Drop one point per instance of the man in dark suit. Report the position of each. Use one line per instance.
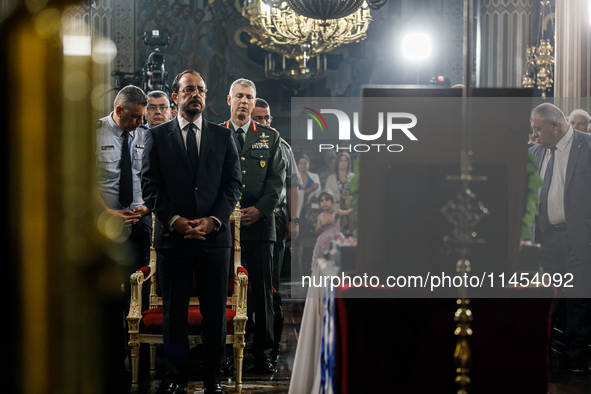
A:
(263, 177)
(191, 181)
(563, 225)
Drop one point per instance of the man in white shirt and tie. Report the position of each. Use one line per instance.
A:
(563, 224)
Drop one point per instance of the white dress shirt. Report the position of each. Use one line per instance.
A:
(556, 191)
(184, 125)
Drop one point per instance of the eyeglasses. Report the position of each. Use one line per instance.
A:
(259, 119)
(191, 89)
(161, 107)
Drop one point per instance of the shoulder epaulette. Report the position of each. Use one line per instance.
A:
(267, 127)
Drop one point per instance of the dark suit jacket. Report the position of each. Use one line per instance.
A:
(577, 193)
(263, 177)
(169, 186)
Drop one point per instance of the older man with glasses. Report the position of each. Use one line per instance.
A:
(158, 108)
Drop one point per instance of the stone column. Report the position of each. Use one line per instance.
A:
(573, 49)
(504, 30)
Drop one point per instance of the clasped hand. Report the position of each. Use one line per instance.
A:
(194, 229)
(131, 216)
(249, 215)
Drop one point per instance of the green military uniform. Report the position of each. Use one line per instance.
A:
(292, 179)
(263, 177)
(282, 219)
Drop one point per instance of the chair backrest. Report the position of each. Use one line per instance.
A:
(235, 266)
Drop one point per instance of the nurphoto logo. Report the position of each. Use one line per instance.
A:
(391, 122)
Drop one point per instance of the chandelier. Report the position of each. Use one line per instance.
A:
(539, 62)
(331, 9)
(292, 74)
(278, 28)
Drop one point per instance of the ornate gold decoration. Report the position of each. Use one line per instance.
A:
(279, 29)
(464, 213)
(539, 62)
(330, 9)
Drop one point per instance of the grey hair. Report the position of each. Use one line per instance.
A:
(243, 82)
(131, 95)
(549, 111)
(157, 94)
(580, 112)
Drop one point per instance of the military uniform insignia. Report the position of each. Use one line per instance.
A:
(260, 145)
(263, 163)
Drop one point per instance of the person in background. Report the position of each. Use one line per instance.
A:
(287, 219)
(339, 184)
(328, 225)
(579, 120)
(158, 108)
(309, 190)
(329, 158)
(563, 156)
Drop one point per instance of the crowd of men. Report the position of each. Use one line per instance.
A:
(191, 174)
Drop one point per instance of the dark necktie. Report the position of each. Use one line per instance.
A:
(240, 133)
(543, 220)
(125, 180)
(192, 147)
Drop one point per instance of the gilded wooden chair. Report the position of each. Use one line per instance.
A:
(146, 326)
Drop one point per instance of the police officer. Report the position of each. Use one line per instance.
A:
(119, 150)
(263, 177)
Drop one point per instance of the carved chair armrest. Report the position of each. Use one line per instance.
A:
(136, 280)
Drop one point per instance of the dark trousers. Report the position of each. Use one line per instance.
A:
(175, 271)
(257, 258)
(279, 247)
(571, 306)
(140, 239)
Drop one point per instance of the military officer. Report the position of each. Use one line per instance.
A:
(287, 218)
(263, 177)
